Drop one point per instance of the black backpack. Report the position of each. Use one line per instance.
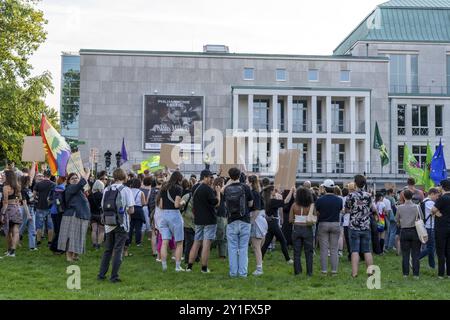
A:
(235, 200)
(113, 215)
(422, 207)
(57, 198)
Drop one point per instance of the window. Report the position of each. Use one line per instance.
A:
(319, 158)
(401, 119)
(320, 124)
(438, 120)
(420, 153)
(281, 74)
(345, 75)
(448, 74)
(339, 157)
(337, 117)
(419, 120)
(399, 80)
(281, 117)
(299, 116)
(261, 114)
(414, 74)
(302, 162)
(313, 75)
(249, 74)
(401, 150)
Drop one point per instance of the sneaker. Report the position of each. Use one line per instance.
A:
(101, 278)
(115, 280)
(340, 253)
(180, 269)
(188, 270)
(13, 255)
(164, 269)
(173, 258)
(258, 272)
(290, 261)
(416, 277)
(158, 260)
(34, 249)
(206, 271)
(139, 245)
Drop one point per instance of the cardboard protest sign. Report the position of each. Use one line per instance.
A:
(233, 155)
(287, 169)
(170, 156)
(136, 167)
(33, 149)
(75, 164)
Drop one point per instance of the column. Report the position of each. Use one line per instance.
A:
(313, 148)
(432, 120)
(251, 132)
(352, 115)
(289, 117)
(274, 112)
(235, 124)
(368, 133)
(314, 114)
(250, 111)
(408, 120)
(328, 157)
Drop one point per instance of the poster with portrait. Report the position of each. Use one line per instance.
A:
(173, 120)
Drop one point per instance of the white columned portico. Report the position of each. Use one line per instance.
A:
(328, 143)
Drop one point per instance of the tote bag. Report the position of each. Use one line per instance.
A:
(420, 227)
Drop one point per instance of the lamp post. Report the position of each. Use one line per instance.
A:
(108, 155)
(118, 158)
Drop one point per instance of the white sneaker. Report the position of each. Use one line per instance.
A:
(34, 249)
(13, 255)
(188, 270)
(158, 260)
(173, 258)
(207, 271)
(290, 261)
(180, 269)
(258, 272)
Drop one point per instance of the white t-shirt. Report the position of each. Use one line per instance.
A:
(137, 197)
(429, 204)
(387, 205)
(380, 206)
(127, 201)
(346, 218)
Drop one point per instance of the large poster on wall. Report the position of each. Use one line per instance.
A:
(173, 120)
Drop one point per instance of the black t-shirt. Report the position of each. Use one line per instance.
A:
(27, 195)
(95, 203)
(174, 192)
(204, 203)
(257, 201)
(272, 209)
(329, 207)
(42, 189)
(221, 210)
(443, 205)
(248, 198)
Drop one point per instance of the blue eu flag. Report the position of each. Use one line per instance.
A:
(438, 170)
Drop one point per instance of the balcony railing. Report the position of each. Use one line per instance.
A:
(426, 90)
(401, 131)
(439, 131)
(340, 127)
(360, 126)
(420, 131)
(301, 127)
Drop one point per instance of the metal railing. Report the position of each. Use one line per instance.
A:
(401, 131)
(360, 126)
(439, 131)
(420, 131)
(301, 127)
(340, 127)
(427, 90)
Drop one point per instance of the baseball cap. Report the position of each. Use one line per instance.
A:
(206, 173)
(328, 183)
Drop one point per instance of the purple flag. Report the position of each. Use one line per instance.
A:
(123, 152)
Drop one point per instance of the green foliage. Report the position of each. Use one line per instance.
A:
(21, 95)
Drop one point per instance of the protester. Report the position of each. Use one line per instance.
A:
(392, 229)
(381, 218)
(205, 201)
(171, 220)
(95, 203)
(10, 214)
(221, 215)
(153, 208)
(407, 214)
(302, 233)
(28, 213)
(146, 189)
(137, 219)
(188, 223)
(426, 206)
(57, 211)
(441, 210)
(258, 223)
(271, 207)
(286, 226)
(359, 205)
(75, 221)
(329, 207)
(41, 191)
(338, 192)
(238, 200)
(418, 195)
(346, 218)
(118, 199)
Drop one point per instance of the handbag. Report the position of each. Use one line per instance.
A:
(311, 218)
(420, 228)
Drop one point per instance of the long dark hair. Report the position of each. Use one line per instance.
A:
(266, 195)
(175, 179)
(11, 180)
(303, 197)
(254, 181)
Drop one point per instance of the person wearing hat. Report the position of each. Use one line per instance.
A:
(329, 207)
(205, 200)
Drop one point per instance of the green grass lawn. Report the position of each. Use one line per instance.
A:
(41, 275)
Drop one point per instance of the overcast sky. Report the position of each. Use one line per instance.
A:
(250, 26)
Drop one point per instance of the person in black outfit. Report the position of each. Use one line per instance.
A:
(271, 206)
(95, 203)
(286, 225)
(441, 210)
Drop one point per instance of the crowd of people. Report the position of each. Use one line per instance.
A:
(184, 219)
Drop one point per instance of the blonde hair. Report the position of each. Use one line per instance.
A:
(98, 186)
(351, 187)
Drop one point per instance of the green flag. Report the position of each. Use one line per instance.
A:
(379, 145)
(410, 166)
(427, 181)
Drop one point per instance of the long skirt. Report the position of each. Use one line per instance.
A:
(72, 234)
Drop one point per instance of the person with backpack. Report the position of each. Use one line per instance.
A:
(95, 203)
(426, 206)
(57, 210)
(41, 191)
(188, 222)
(76, 217)
(392, 230)
(205, 201)
(117, 204)
(381, 219)
(137, 219)
(152, 207)
(238, 200)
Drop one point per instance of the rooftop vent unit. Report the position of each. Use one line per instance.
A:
(216, 48)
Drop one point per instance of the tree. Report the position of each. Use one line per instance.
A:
(21, 95)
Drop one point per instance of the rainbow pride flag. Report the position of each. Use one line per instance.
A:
(58, 151)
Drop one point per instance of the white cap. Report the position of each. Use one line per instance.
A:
(328, 183)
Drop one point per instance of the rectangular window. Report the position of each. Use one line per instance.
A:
(401, 120)
(414, 74)
(400, 159)
(302, 162)
(345, 75)
(420, 153)
(299, 116)
(419, 120)
(397, 73)
(339, 158)
(281, 75)
(281, 117)
(249, 74)
(320, 122)
(338, 124)
(261, 114)
(313, 75)
(319, 158)
(438, 120)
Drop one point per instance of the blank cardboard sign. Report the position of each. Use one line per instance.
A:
(170, 156)
(286, 175)
(33, 149)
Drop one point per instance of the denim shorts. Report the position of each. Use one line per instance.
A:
(360, 241)
(207, 232)
(41, 215)
(171, 225)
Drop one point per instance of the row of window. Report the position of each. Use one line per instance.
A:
(419, 120)
(281, 75)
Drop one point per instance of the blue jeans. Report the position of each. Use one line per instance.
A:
(392, 231)
(238, 237)
(30, 225)
(42, 217)
(430, 249)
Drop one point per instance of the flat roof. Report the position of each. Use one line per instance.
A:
(229, 55)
